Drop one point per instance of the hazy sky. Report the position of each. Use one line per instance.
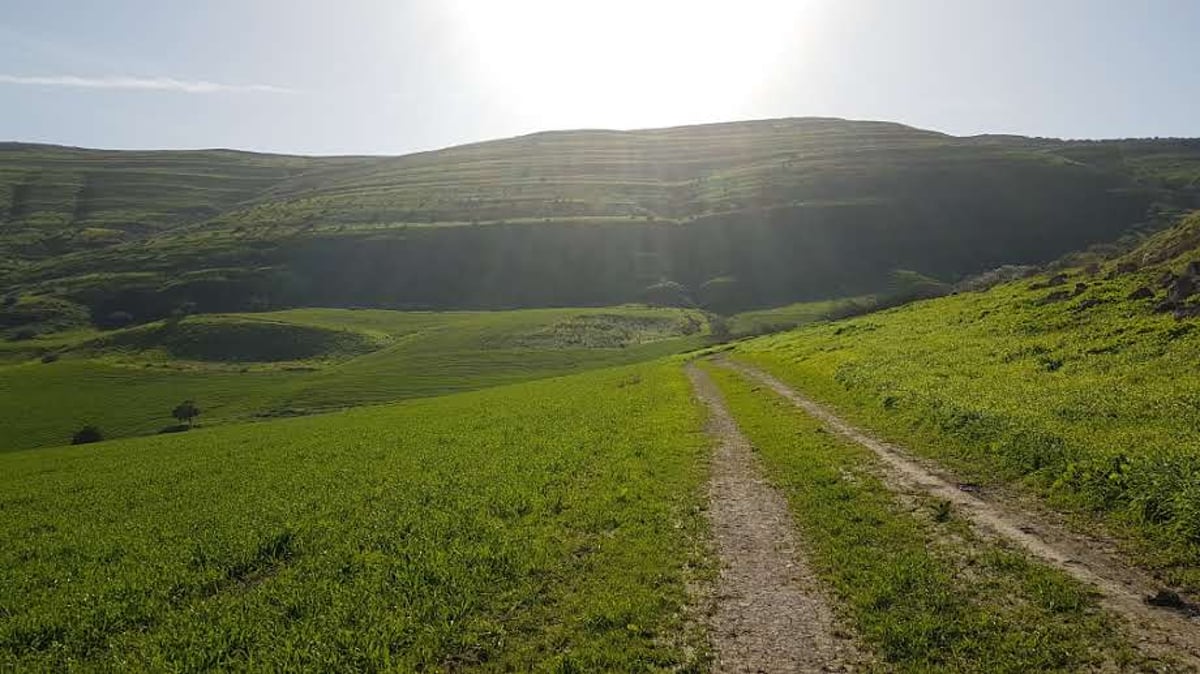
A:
(382, 77)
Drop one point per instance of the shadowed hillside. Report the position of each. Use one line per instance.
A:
(790, 209)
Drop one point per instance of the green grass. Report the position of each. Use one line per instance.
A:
(546, 526)
(922, 590)
(1091, 405)
(131, 392)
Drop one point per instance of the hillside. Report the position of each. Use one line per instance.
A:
(1077, 385)
(792, 209)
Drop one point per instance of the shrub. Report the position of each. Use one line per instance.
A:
(185, 412)
(87, 435)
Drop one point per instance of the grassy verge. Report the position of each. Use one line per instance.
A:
(923, 591)
(1089, 402)
(541, 526)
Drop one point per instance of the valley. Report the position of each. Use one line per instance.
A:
(789, 394)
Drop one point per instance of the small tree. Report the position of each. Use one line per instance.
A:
(185, 412)
(87, 435)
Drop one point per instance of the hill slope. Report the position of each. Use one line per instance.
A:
(1080, 386)
(792, 208)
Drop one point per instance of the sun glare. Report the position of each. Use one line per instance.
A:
(625, 63)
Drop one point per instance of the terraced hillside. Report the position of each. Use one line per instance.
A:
(790, 209)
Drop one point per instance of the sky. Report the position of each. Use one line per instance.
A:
(396, 76)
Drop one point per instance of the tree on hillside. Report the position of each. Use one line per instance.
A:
(87, 435)
(185, 412)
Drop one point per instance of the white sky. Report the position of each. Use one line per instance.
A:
(385, 77)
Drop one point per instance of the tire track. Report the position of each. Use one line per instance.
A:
(769, 614)
(1124, 590)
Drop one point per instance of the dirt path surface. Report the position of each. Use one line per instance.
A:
(770, 614)
(1159, 630)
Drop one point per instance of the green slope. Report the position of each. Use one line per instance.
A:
(127, 382)
(1083, 392)
(550, 526)
(792, 208)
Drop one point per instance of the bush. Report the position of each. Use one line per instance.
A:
(50, 357)
(185, 412)
(23, 334)
(87, 435)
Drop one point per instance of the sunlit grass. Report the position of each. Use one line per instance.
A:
(1093, 406)
(546, 525)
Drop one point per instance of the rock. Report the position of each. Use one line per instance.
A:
(1167, 278)
(1056, 280)
(1193, 269)
(1181, 289)
(1165, 306)
(1080, 288)
(1126, 267)
(1056, 296)
(1087, 304)
(1190, 311)
(1092, 269)
(1142, 293)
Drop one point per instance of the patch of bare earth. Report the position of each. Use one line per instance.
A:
(1158, 628)
(769, 613)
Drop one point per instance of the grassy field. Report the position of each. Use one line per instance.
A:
(128, 381)
(1086, 397)
(924, 592)
(547, 525)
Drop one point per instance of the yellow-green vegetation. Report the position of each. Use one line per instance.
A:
(924, 592)
(547, 525)
(125, 382)
(1069, 387)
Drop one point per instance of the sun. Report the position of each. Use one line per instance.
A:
(626, 63)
